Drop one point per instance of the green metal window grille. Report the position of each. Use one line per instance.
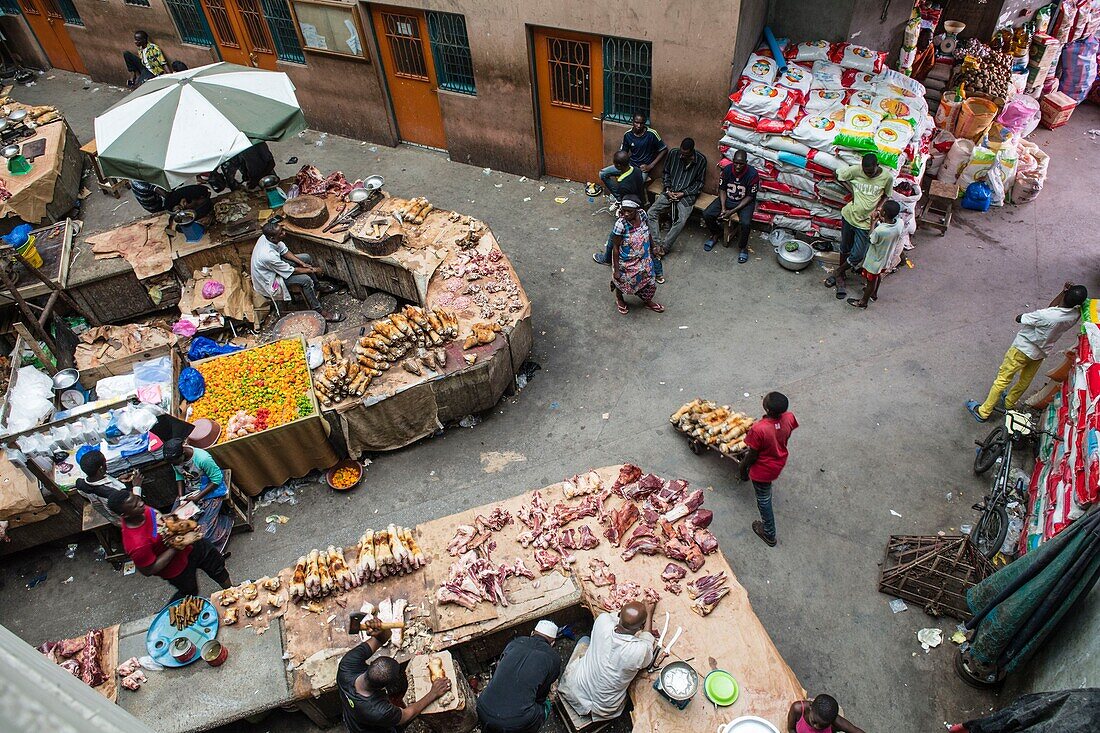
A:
(9, 7)
(139, 3)
(281, 23)
(69, 13)
(190, 22)
(627, 78)
(454, 67)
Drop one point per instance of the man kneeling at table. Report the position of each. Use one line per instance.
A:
(368, 689)
(515, 700)
(595, 685)
(152, 556)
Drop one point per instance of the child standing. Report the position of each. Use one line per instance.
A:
(883, 238)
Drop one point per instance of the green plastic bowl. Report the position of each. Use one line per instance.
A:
(721, 688)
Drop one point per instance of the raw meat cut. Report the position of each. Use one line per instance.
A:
(706, 582)
(90, 671)
(71, 647)
(546, 559)
(700, 519)
(566, 513)
(581, 485)
(673, 587)
(626, 593)
(472, 579)
(706, 541)
(673, 571)
(622, 519)
(580, 538)
(518, 570)
(628, 474)
(495, 521)
(644, 541)
(687, 552)
(705, 603)
(600, 577)
(685, 507)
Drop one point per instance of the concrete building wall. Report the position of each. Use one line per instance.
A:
(108, 30)
(810, 20)
(21, 42)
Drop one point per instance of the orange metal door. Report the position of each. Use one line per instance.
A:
(48, 24)
(410, 74)
(569, 71)
(241, 32)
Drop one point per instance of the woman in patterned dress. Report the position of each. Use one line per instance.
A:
(631, 258)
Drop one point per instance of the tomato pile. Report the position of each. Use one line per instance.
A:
(270, 383)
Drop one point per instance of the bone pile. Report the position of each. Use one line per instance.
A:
(490, 287)
(707, 591)
(416, 333)
(388, 610)
(387, 552)
(414, 210)
(628, 592)
(716, 426)
(340, 377)
(320, 573)
(473, 579)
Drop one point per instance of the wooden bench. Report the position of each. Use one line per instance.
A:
(242, 505)
(702, 201)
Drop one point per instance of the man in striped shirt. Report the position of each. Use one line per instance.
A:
(685, 170)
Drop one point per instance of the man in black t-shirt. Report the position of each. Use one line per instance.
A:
(515, 701)
(647, 149)
(737, 189)
(367, 690)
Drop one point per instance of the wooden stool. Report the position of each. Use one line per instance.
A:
(109, 186)
(105, 533)
(939, 207)
(575, 723)
(242, 505)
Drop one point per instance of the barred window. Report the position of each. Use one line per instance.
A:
(9, 7)
(627, 78)
(454, 67)
(281, 23)
(190, 22)
(139, 3)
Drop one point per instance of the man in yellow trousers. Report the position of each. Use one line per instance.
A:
(1041, 328)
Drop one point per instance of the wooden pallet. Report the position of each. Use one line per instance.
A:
(933, 571)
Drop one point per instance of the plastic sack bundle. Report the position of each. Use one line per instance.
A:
(864, 98)
(823, 101)
(1078, 68)
(810, 51)
(761, 68)
(890, 139)
(953, 162)
(860, 58)
(1031, 173)
(941, 143)
(764, 100)
(827, 75)
(981, 160)
(908, 203)
(816, 131)
(977, 196)
(191, 384)
(1018, 112)
(203, 348)
(740, 118)
(1001, 176)
(858, 130)
(796, 78)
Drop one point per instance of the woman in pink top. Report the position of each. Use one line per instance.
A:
(822, 715)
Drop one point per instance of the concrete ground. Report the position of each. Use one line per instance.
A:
(885, 446)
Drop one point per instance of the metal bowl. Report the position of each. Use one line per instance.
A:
(674, 690)
(373, 183)
(10, 151)
(17, 115)
(65, 378)
(270, 181)
(800, 259)
(359, 195)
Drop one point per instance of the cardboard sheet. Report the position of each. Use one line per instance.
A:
(105, 344)
(238, 301)
(18, 493)
(145, 244)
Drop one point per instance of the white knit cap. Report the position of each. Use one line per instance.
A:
(547, 628)
(629, 204)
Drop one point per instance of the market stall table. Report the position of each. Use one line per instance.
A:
(50, 188)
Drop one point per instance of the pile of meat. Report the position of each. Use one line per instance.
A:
(707, 590)
(666, 519)
(132, 675)
(474, 578)
(310, 181)
(547, 533)
(470, 537)
(80, 656)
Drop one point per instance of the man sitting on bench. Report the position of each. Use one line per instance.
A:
(595, 685)
(737, 188)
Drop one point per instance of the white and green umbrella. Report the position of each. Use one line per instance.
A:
(176, 126)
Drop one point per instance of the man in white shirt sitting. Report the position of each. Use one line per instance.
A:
(275, 269)
(595, 685)
(1032, 344)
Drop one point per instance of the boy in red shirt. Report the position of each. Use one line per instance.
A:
(152, 556)
(765, 458)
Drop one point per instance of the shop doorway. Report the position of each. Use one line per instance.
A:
(406, 56)
(241, 32)
(569, 74)
(48, 23)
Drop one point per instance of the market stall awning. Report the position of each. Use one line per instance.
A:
(179, 125)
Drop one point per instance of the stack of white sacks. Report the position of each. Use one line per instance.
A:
(834, 103)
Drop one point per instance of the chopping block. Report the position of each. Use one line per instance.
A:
(453, 713)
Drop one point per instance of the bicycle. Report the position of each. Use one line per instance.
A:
(992, 527)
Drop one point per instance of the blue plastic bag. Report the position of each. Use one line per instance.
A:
(18, 236)
(203, 348)
(191, 384)
(978, 196)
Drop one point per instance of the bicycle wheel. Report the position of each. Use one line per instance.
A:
(989, 533)
(990, 449)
